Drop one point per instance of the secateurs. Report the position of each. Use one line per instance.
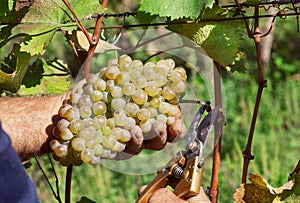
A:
(184, 171)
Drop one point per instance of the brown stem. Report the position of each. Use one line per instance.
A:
(297, 168)
(261, 84)
(68, 184)
(95, 38)
(213, 191)
(79, 24)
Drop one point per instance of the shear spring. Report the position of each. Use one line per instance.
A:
(177, 171)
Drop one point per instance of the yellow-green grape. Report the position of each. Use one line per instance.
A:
(106, 130)
(99, 85)
(62, 124)
(140, 97)
(163, 107)
(61, 151)
(170, 63)
(170, 120)
(86, 155)
(109, 85)
(134, 73)
(125, 136)
(148, 70)
(153, 112)
(95, 160)
(137, 64)
(160, 79)
(111, 123)
(112, 72)
(162, 117)
(63, 109)
(108, 141)
(66, 134)
(106, 153)
(168, 93)
(118, 103)
(155, 101)
(182, 72)
(118, 147)
(85, 100)
(152, 89)
(72, 114)
(179, 87)
(143, 114)
(85, 134)
(123, 78)
(96, 96)
(91, 78)
(99, 108)
(78, 144)
(116, 132)
(131, 109)
(74, 97)
(98, 136)
(128, 89)
(172, 111)
(85, 111)
(91, 143)
(120, 118)
(145, 126)
(130, 123)
(76, 125)
(112, 62)
(88, 122)
(125, 63)
(139, 81)
(106, 97)
(175, 76)
(54, 144)
(116, 92)
(88, 89)
(162, 68)
(98, 149)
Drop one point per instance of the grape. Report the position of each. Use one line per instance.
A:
(124, 100)
(140, 97)
(78, 144)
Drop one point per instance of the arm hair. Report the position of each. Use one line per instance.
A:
(29, 122)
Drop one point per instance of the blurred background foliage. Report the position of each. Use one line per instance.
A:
(277, 134)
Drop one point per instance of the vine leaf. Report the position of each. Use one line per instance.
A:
(34, 73)
(259, 191)
(220, 40)
(85, 200)
(13, 69)
(39, 25)
(84, 8)
(175, 9)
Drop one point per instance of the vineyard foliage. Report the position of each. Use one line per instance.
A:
(35, 41)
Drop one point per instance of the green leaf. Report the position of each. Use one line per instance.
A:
(83, 8)
(175, 9)
(40, 24)
(220, 40)
(85, 200)
(13, 69)
(34, 73)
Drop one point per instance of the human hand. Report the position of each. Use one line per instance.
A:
(164, 195)
(159, 136)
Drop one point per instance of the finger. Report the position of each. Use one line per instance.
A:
(134, 146)
(142, 189)
(176, 131)
(166, 196)
(159, 132)
(200, 198)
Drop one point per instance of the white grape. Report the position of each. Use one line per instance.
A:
(123, 78)
(116, 92)
(118, 103)
(91, 78)
(160, 79)
(99, 108)
(112, 62)
(131, 109)
(62, 124)
(72, 114)
(66, 134)
(139, 81)
(145, 126)
(143, 114)
(149, 71)
(100, 85)
(86, 155)
(163, 107)
(128, 89)
(96, 96)
(152, 89)
(182, 72)
(111, 122)
(140, 97)
(85, 111)
(130, 123)
(125, 63)
(78, 144)
(179, 87)
(168, 93)
(61, 151)
(76, 125)
(85, 100)
(112, 72)
(118, 147)
(98, 149)
(75, 98)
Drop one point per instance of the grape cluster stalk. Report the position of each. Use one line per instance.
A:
(123, 98)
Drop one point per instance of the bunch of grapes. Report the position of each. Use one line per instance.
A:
(125, 97)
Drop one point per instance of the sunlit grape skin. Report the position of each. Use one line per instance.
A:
(123, 98)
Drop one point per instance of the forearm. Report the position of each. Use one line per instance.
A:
(29, 122)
